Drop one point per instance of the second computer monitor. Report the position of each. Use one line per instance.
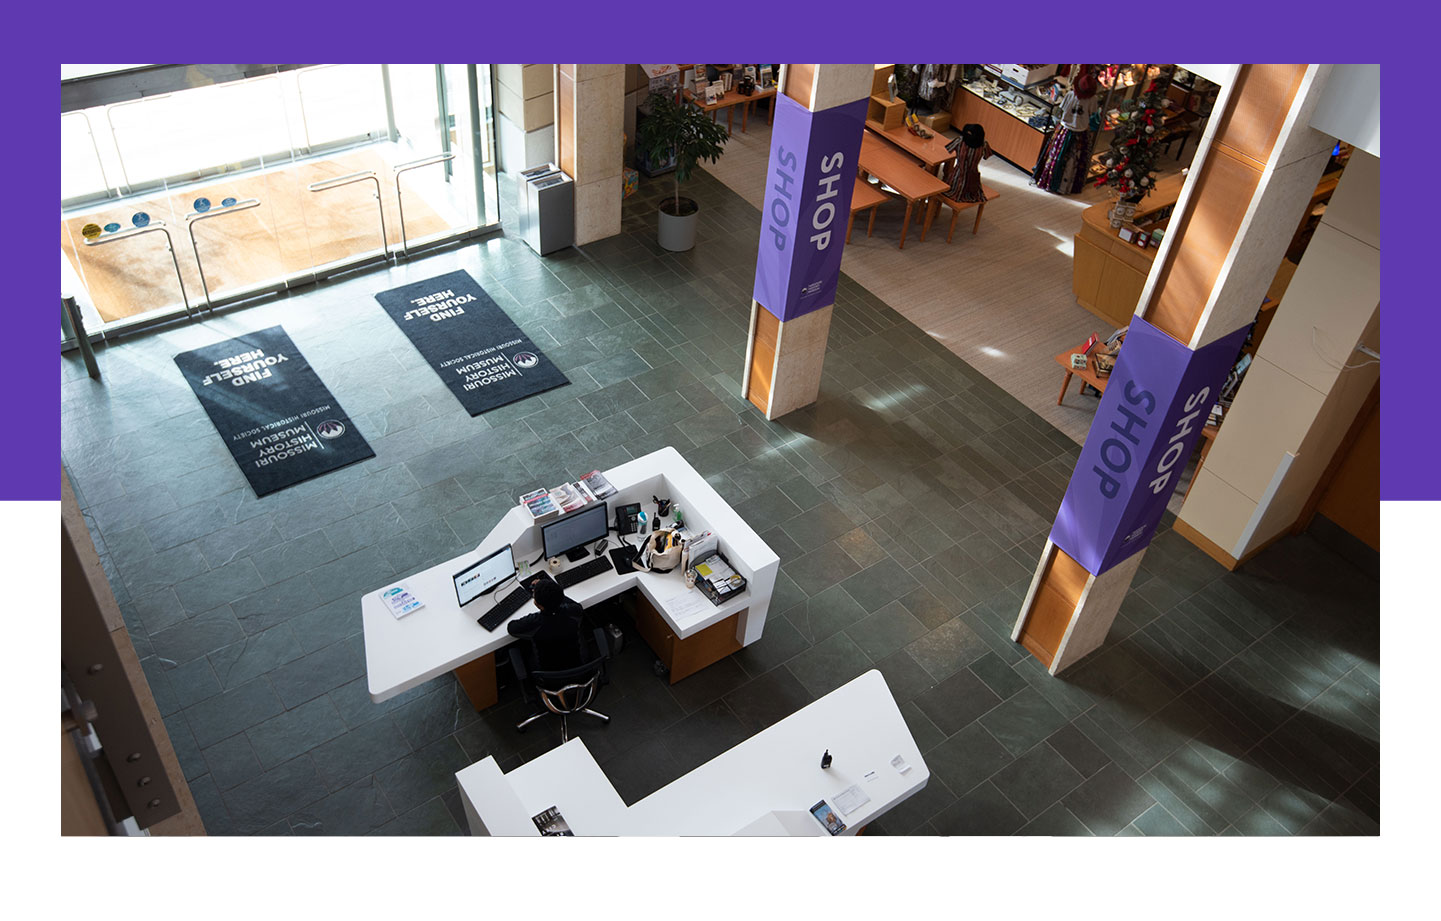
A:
(573, 532)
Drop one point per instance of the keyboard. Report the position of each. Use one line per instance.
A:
(588, 570)
(504, 608)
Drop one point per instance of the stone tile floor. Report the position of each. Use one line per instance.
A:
(908, 506)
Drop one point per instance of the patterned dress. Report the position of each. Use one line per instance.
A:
(1063, 162)
(966, 173)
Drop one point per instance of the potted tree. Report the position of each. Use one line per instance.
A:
(673, 128)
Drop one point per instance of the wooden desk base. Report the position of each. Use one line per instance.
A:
(688, 656)
(478, 680)
(683, 657)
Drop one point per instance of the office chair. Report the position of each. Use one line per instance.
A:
(566, 692)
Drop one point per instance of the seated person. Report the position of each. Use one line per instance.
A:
(970, 149)
(556, 632)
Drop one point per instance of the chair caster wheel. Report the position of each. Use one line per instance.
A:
(660, 668)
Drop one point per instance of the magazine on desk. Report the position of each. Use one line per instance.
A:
(598, 485)
(544, 504)
(552, 824)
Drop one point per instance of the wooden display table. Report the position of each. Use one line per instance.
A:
(931, 151)
(901, 173)
(729, 101)
(865, 196)
(1087, 374)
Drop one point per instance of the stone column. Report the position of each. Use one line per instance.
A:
(589, 102)
(815, 140)
(525, 115)
(1304, 388)
(1252, 179)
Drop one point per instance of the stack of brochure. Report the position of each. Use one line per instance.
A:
(544, 504)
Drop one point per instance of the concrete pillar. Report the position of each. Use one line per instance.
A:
(815, 140)
(525, 115)
(1252, 179)
(590, 99)
(1304, 388)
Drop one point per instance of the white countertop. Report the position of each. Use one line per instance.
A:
(763, 786)
(401, 654)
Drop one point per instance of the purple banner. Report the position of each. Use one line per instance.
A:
(809, 182)
(1157, 401)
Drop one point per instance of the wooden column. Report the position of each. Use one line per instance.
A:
(1252, 178)
(784, 358)
(590, 102)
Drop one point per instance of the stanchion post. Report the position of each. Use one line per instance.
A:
(70, 315)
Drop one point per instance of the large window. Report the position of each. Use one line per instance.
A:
(264, 182)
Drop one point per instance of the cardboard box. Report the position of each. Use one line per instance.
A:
(937, 122)
(1023, 74)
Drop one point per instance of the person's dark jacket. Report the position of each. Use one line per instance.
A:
(556, 638)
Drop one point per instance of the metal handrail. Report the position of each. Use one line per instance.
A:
(350, 178)
(399, 201)
(195, 217)
(169, 248)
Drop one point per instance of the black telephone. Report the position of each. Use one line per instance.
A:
(627, 518)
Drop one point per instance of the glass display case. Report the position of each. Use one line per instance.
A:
(1017, 118)
(1034, 104)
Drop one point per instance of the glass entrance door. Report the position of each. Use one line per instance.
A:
(211, 194)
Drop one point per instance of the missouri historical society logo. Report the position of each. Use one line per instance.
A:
(330, 428)
(525, 360)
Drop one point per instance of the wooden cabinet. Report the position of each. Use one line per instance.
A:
(1090, 259)
(687, 656)
(1120, 289)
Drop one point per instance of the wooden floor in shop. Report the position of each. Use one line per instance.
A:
(291, 231)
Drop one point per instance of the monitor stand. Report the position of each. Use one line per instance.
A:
(577, 553)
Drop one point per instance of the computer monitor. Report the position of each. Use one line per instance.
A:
(479, 578)
(569, 535)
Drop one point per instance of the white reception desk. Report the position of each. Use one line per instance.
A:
(763, 786)
(441, 637)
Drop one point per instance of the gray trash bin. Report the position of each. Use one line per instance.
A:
(547, 209)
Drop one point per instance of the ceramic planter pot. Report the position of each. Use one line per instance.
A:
(677, 231)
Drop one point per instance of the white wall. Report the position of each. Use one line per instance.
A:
(1350, 107)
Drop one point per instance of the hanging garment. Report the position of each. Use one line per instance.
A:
(928, 76)
(1064, 161)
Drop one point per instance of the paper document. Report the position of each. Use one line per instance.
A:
(850, 799)
(400, 601)
(688, 603)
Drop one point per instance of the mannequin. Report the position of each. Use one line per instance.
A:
(971, 148)
(1063, 163)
